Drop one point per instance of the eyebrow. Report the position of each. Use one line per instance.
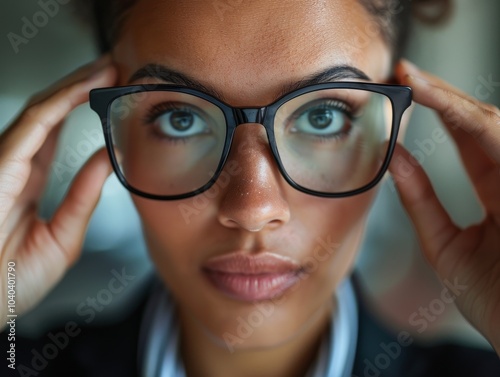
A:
(334, 73)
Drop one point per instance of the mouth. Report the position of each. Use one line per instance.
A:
(251, 278)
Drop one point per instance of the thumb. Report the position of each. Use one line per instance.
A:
(433, 224)
(69, 223)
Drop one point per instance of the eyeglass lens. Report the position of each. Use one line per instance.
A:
(330, 140)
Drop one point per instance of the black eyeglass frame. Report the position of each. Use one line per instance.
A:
(101, 100)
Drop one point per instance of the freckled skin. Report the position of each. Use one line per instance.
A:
(256, 48)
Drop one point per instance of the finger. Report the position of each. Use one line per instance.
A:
(47, 249)
(432, 223)
(16, 176)
(406, 68)
(458, 112)
(481, 168)
(75, 76)
(69, 224)
(25, 137)
(45, 155)
(37, 179)
(39, 173)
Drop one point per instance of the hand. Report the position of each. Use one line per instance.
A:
(469, 256)
(43, 251)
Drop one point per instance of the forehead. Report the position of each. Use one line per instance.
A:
(246, 49)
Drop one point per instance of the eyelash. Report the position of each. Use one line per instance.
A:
(331, 103)
(156, 111)
(161, 108)
(336, 104)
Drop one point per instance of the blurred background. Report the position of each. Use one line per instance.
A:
(463, 50)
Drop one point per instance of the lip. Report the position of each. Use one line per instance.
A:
(255, 277)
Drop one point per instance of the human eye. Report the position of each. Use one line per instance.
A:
(177, 121)
(323, 118)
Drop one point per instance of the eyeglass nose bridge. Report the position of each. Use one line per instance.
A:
(249, 115)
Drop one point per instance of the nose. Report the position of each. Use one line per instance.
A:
(254, 198)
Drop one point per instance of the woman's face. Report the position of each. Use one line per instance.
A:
(247, 51)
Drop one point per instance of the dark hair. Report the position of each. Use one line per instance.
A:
(393, 18)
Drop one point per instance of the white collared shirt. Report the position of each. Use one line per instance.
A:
(159, 338)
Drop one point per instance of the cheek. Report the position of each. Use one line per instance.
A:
(184, 232)
(335, 217)
(322, 234)
(168, 236)
(327, 236)
(329, 232)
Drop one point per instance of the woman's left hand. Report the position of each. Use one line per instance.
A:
(466, 258)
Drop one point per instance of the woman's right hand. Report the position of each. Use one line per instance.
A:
(44, 250)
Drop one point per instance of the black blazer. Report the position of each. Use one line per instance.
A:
(112, 351)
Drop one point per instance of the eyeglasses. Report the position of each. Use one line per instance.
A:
(329, 140)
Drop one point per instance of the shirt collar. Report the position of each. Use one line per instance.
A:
(159, 337)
